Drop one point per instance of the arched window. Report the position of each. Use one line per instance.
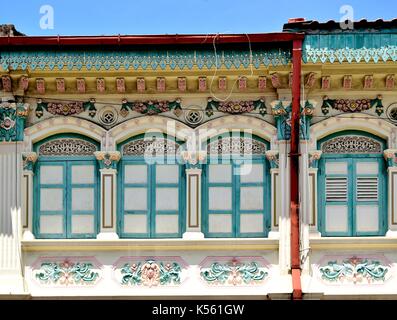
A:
(152, 188)
(352, 185)
(236, 189)
(66, 187)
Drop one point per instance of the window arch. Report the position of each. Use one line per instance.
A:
(236, 187)
(66, 187)
(352, 185)
(152, 187)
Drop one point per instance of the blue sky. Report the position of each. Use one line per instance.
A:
(88, 17)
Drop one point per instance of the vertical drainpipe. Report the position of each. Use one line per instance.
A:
(294, 170)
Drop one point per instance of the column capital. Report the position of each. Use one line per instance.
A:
(193, 158)
(314, 156)
(391, 157)
(273, 157)
(108, 159)
(29, 160)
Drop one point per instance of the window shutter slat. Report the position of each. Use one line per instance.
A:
(336, 189)
(367, 189)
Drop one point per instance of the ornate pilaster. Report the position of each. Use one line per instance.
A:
(391, 159)
(193, 193)
(12, 120)
(108, 167)
(28, 162)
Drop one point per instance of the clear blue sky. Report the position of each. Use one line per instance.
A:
(88, 17)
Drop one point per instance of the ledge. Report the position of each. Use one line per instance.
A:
(348, 243)
(148, 244)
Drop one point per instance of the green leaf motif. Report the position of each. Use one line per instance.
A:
(67, 273)
(233, 273)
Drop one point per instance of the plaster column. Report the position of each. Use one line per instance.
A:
(193, 194)
(108, 207)
(29, 160)
(391, 158)
(273, 157)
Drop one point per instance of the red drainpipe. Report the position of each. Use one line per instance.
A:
(294, 170)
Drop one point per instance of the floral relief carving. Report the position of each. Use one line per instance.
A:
(65, 109)
(151, 107)
(351, 144)
(349, 105)
(235, 107)
(354, 270)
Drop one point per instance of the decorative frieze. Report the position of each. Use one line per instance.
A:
(350, 105)
(151, 273)
(234, 272)
(6, 83)
(235, 107)
(107, 159)
(65, 109)
(120, 85)
(354, 270)
(351, 144)
(151, 107)
(40, 86)
(12, 120)
(67, 273)
(67, 147)
(60, 84)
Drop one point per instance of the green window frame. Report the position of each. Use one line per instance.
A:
(351, 196)
(236, 185)
(151, 187)
(67, 186)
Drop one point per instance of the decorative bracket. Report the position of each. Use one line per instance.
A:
(349, 105)
(107, 159)
(391, 157)
(66, 109)
(235, 107)
(151, 107)
(273, 157)
(29, 160)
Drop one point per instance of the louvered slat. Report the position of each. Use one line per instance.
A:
(367, 189)
(336, 188)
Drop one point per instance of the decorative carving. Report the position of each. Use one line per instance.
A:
(222, 83)
(202, 83)
(60, 83)
(233, 273)
(282, 115)
(351, 144)
(120, 85)
(140, 85)
(273, 157)
(67, 147)
(390, 157)
(24, 83)
(150, 147)
(40, 86)
(67, 273)
(151, 107)
(100, 85)
(182, 84)
(326, 83)
(307, 112)
(390, 81)
(262, 83)
(236, 145)
(368, 82)
(310, 80)
(314, 157)
(354, 270)
(12, 121)
(242, 83)
(80, 83)
(276, 81)
(29, 159)
(160, 84)
(290, 78)
(235, 107)
(193, 157)
(65, 109)
(107, 159)
(151, 273)
(7, 83)
(194, 117)
(108, 116)
(347, 82)
(348, 105)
